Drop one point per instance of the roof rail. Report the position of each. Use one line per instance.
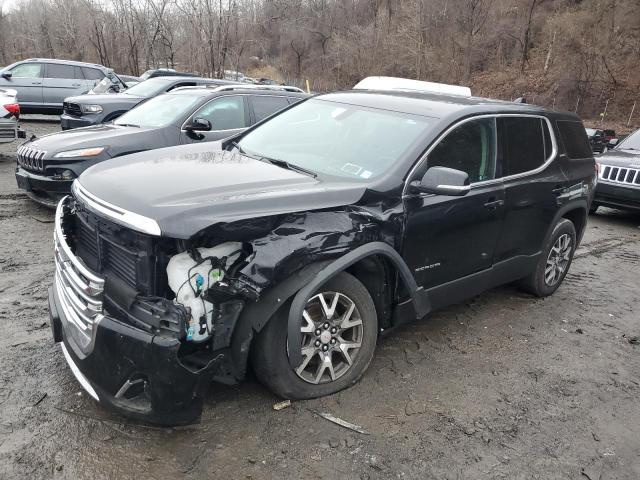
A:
(249, 86)
(224, 88)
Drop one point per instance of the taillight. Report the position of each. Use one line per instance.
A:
(13, 108)
(597, 169)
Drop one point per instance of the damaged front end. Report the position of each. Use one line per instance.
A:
(132, 342)
(147, 322)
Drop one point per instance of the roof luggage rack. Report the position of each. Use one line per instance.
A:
(408, 85)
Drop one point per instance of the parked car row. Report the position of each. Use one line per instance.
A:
(261, 226)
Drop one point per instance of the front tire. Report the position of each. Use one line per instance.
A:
(554, 262)
(339, 334)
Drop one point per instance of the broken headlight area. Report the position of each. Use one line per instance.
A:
(159, 285)
(197, 279)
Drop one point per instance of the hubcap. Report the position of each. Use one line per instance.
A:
(331, 337)
(558, 260)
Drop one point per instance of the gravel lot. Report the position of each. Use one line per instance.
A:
(503, 386)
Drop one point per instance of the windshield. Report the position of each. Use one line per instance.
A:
(160, 111)
(105, 84)
(632, 142)
(350, 141)
(149, 88)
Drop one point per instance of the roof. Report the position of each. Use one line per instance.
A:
(432, 105)
(67, 62)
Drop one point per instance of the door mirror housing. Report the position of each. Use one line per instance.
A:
(443, 181)
(7, 75)
(613, 142)
(198, 125)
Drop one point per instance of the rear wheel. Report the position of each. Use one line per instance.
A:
(339, 331)
(554, 262)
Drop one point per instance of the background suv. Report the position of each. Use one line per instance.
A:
(87, 110)
(47, 166)
(619, 179)
(43, 84)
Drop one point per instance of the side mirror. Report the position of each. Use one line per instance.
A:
(7, 75)
(198, 125)
(613, 142)
(443, 181)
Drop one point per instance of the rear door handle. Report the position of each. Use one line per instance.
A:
(75, 85)
(36, 83)
(493, 204)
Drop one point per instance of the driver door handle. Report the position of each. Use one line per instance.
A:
(493, 204)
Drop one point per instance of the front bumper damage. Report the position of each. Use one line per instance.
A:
(132, 371)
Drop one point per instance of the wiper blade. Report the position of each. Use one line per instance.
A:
(290, 166)
(128, 125)
(238, 147)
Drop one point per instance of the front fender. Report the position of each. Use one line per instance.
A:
(420, 300)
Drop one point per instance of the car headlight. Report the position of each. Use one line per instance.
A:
(91, 108)
(83, 152)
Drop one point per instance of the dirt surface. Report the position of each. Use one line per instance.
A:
(503, 386)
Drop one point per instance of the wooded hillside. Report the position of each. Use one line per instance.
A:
(579, 55)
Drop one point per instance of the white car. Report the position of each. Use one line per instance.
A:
(9, 114)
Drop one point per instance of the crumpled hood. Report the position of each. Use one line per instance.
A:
(620, 158)
(190, 187)
(87, 137)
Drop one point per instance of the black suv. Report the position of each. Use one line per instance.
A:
(619, 179)
(48, 165)
(302, 239)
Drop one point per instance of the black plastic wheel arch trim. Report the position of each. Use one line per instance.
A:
(294, 337)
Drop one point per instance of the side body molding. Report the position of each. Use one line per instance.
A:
(418, 295)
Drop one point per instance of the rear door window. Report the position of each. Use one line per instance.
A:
(27, 70)
(574, 138)
(266, 105)
(471, 148)
(56, 70)
(525, 143)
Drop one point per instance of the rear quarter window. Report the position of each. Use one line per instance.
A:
(525, 144)
(574, 139)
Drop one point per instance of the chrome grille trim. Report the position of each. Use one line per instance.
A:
(80, 291)
(31, 159)
(622, 175)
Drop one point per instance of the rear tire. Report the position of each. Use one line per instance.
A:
(593, 209)
(554, 262)
(346, 320)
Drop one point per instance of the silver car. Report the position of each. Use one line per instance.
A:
(9, 114)
(43, 84)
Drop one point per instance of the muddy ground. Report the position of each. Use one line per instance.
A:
(502, 386)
